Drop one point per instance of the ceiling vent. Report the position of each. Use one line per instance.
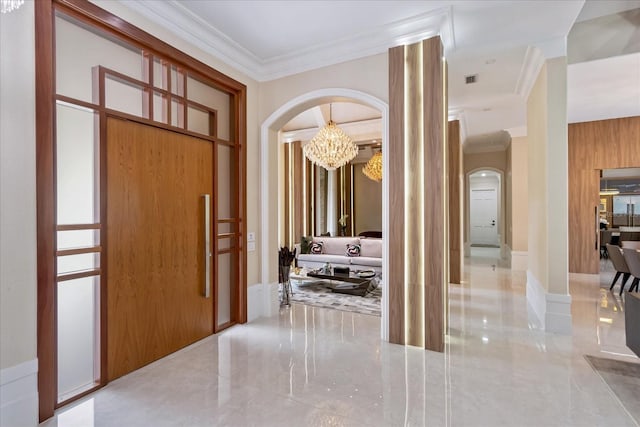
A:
(471, 79)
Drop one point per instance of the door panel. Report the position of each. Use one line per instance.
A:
(484, 213)
(155, 237)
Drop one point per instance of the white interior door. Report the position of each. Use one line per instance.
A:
(484, 216)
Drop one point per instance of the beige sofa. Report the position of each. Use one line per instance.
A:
(334, 251)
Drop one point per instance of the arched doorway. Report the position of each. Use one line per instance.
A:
(485, 210)
(269, 183)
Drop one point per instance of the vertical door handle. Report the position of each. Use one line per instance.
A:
(207, 245)
(597, 227)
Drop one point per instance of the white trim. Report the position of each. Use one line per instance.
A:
(19, 395)
(558, 314)
(533, 61)
(273, 123)
(270, 297)
(192, 28)
(255, 305)
(502, 207)
(553, 311)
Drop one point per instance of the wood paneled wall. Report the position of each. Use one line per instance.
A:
(418, 219)
(435, 193)
(602, 144)
(396, 195)
(455, 202)
(295, 207)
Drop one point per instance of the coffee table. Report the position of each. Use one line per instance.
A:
(350, 283)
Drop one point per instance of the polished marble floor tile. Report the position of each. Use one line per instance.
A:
(309, 366)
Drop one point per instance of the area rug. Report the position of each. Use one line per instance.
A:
(317, 294)
(623, 378)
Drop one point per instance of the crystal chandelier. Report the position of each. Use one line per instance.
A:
(373, 168)
(331, 147)
(7, 6)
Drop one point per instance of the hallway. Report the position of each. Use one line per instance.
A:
(310, 366)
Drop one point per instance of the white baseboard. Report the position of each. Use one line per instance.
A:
(552, 311)
(271, 301)
(558, 315)
(255, 304)
(19, 395)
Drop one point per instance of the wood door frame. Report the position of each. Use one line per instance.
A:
(96, 17)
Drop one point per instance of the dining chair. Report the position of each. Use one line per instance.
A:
(620, 264)
(632, 256)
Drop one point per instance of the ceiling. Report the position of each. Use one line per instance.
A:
(272, 39)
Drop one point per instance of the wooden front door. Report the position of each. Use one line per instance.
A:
(155, 225)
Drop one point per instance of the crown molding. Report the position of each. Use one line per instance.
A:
(193, 29)
(178, 19)
(533, 61)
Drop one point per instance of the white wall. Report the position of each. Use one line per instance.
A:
(548, 255)
(18, 389)
(519, 199)
(537, 179)
(518, 204)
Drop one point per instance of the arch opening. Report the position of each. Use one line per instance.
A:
(270, 192)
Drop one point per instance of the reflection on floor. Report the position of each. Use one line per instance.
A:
(316, 367)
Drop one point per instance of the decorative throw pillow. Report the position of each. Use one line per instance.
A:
(353, 250)
(316, 247)
(305, 244)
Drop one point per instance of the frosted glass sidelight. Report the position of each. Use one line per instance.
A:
(226, 227)
(226, 243)
(80, 49)
(177, 81)
(212, 98)
(70, 263)
(77, 337)
(159, 104)
(76, 165)
(226, 188)
(225, 284)
(159, 79)
(198, 121)
(177, 113)
(78, 239)
(123, 96)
